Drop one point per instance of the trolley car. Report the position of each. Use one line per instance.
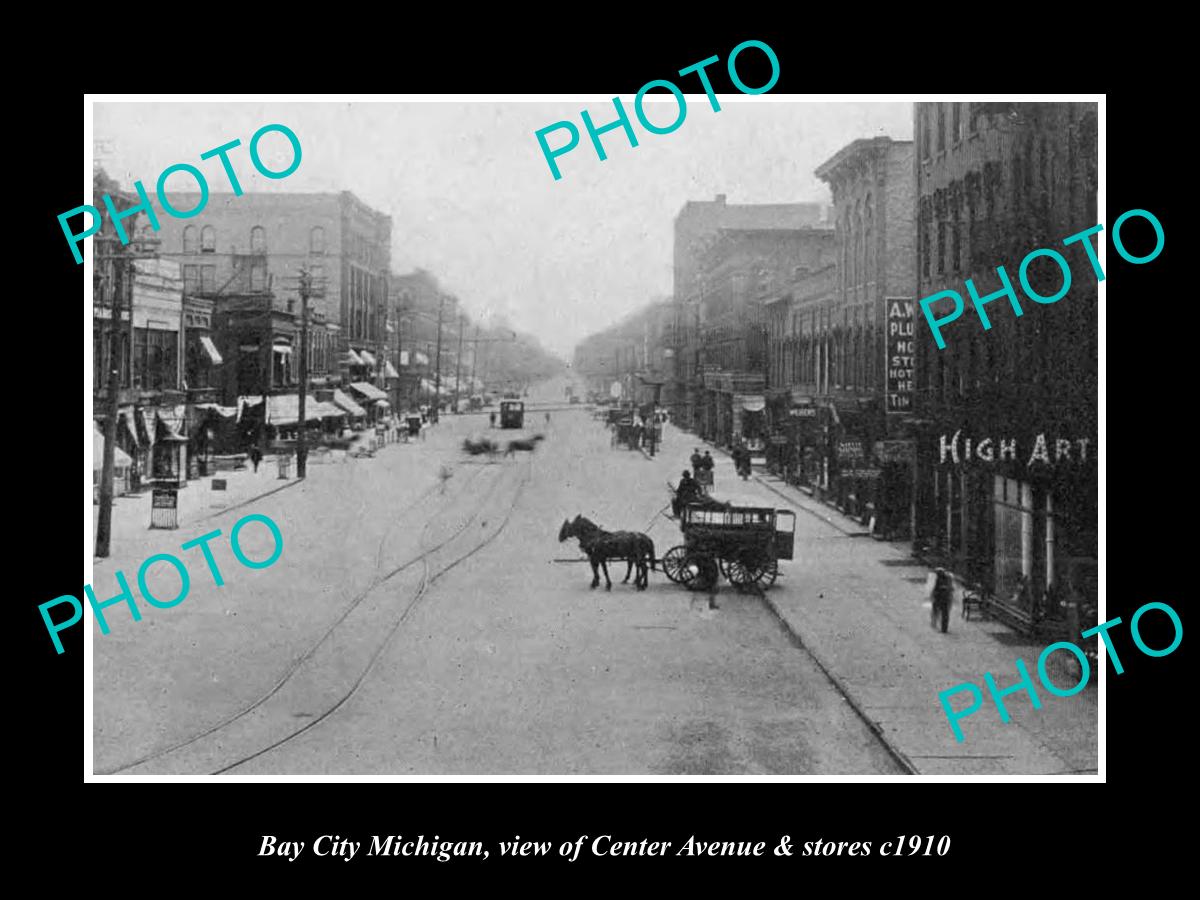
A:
(512, 414)
(743, 543)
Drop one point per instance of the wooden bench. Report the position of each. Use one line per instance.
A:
(1010, 615)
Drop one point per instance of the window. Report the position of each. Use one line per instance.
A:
(941, 246)
(926, 145)
(926, 228)
(318, 277)
(956, 235)
(208, 239)
(956, 121)
(191, 279)
(973, 113)
(941, 127)
(258, 277)
(258, 239)
(208, 279)
(316, 241)
(190, 243)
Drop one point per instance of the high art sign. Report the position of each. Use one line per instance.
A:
(1041, 451)
(900, 340)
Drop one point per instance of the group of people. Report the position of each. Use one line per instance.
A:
(741, 460)
(690, 487)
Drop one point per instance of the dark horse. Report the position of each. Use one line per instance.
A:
(529, 445)
(600, 546)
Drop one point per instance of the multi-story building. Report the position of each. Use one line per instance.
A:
(1006, 477)
(417, 303)
(637, 354)
(697, 228)
(245, 254)
(863, 384)
(146, 293)
(744, 269)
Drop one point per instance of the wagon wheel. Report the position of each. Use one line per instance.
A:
(672, 563)
(699, 572)
(754, 569)
(766, 576)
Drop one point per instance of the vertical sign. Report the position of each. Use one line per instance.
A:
(900, 346)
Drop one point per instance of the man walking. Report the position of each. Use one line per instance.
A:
(255, 457)
(697, 460)
(940, 596)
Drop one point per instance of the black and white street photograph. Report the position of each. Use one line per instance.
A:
(509, 436)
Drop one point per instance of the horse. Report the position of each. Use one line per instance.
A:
(475, 448)
(600, 546)
(514, 446)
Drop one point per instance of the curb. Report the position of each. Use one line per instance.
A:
(896, 753)
(812, 512)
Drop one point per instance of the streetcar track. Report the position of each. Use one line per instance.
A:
(426, 581)
(298, 662)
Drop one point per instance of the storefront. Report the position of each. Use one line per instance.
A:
(1016, 513)
(749, 424)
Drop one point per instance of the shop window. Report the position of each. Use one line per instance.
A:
(191, 279)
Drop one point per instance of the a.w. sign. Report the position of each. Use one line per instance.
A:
(899, 360)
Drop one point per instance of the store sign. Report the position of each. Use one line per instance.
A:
(861, 473)
(164, 498)
(1042, 451)
(900, 348)
(894, 451)
(779, 439)
(850, 450)
(803, 412)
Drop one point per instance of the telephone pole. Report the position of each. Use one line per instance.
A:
(474, 353)
(458, 361)
(437, 378)
(301, 434)
(112, 278)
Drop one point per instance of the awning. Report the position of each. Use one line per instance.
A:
(343, 401)
(284, 349)
(367, 358)
(211, 349)
(165, 431)
(422, 359)
(127, 416)
(284, 409)
(121, 459)
(322, 409)
(354, 359)
(383, 404)
(368, 390)
(753, 403)
(390, 370)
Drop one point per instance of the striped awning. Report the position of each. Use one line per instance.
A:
(368, 390)
(345, 403)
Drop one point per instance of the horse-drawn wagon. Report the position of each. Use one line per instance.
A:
(743, 543)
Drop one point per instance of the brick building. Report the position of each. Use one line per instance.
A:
(1006, 477)
(865, 332)
(697, 228)
(244, 255)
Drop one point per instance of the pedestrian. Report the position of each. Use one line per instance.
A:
(255, 457)
(547, 418)
(688, 491)
(492, 419)
(706, 462)
(697, 460)
(941, 594)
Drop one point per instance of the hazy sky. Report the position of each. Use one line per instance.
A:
(472, 199)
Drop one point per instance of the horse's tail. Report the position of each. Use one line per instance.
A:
(650, 546)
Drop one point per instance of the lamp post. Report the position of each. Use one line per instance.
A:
(302, 430)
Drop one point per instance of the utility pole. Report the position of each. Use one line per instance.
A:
(474, 353)
(114, 278)
(458, 361)
(437, 378)
(301, 434)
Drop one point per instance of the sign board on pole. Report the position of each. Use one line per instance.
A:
(899, 354)
(164, 508)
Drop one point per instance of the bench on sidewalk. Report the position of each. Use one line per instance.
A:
(1010, 615)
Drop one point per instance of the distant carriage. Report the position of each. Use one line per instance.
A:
(512, 414)
(743, 543)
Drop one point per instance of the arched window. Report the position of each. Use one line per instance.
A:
(258, 239)
(316, 241)
(190, 243)
(868, 249)
(208, 239)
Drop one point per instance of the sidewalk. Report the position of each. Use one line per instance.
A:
(858, 607)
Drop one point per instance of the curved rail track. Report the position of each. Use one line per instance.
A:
(220, 758)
